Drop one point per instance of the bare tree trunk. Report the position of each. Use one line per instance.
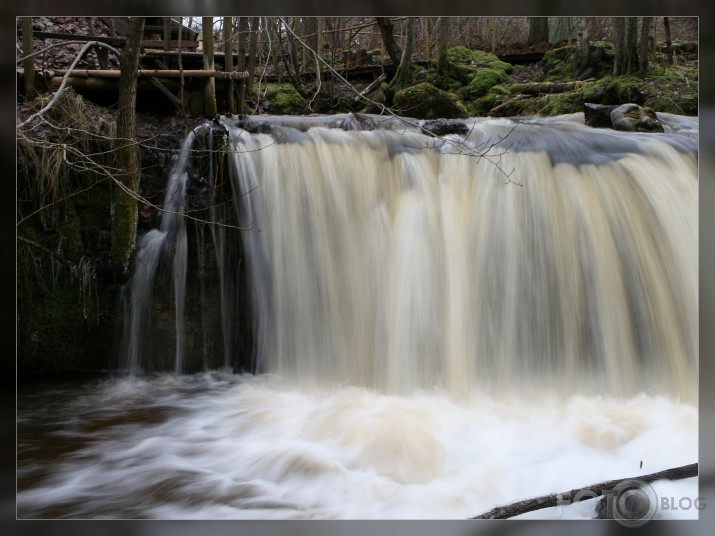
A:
(207, 25)
(645, 39)
(181, 66)
(668, 41)
(538, 30)
(442, 45)
(404, 71)
(388, 38)
(310, 29)
(427, 37)
(632, 43)
(494, 35)
(620, 60)
(228, 62)
(252, 51)
(29, 63)
(125, 213)
(242, 31)
(582, 61)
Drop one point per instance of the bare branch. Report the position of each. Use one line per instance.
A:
(47, 250)
(50, 104)
(588, 492)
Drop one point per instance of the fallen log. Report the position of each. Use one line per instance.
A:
(585, 493)
(373, 87)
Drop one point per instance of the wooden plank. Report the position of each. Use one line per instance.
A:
(145, 73)
(114, 41)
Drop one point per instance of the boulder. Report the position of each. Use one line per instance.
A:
(598, 115)
(425, 101)
(634, 118)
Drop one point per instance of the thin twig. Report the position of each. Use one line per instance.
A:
(66, 77)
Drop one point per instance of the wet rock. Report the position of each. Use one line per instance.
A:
(441, 127)
(598, 115)
(634, 118)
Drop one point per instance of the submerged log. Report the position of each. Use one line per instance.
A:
(585, 493)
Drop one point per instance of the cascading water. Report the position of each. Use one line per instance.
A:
(388, 259)
(441, 325)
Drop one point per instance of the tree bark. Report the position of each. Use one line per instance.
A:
(242, 34)
(404, 71)
(125, 213)
(427, 37)
(252, 51)
(29, 63)
(228, 62)
(668, 41)
(181, 66)
(209, 108)
(442, 45)
(494, 35)
(388, 38)
(310, 30)
(585, 493)
(620, 60)
(632, 43)
(645, 40)
(582, 61)
(538, 30)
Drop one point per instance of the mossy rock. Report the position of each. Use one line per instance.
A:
(481, 106)
(463, 63)
(484, 80)
(558, 64)
(687, 50)
(476, 59)
(425, 101)
(446, 83)
(283, 99)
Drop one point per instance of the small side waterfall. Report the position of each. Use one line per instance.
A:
(169, 239)
(539, 251)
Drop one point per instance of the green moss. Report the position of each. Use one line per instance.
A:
(446, 83)
(284, 100)
(463, 63)
(426, 101)
(476, 59)
(558, 64)
(484, 80)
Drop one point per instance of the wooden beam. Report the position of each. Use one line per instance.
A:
(165, 91)
(144, 73)
(114, 41)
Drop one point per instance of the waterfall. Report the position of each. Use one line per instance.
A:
(170, 235)
(438, 326)
(527, 252)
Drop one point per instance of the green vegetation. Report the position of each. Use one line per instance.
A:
(426, 101)
(283, 99)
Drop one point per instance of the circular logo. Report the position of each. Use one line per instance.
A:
(633, 503)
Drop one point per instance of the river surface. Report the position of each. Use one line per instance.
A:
(224, 446)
